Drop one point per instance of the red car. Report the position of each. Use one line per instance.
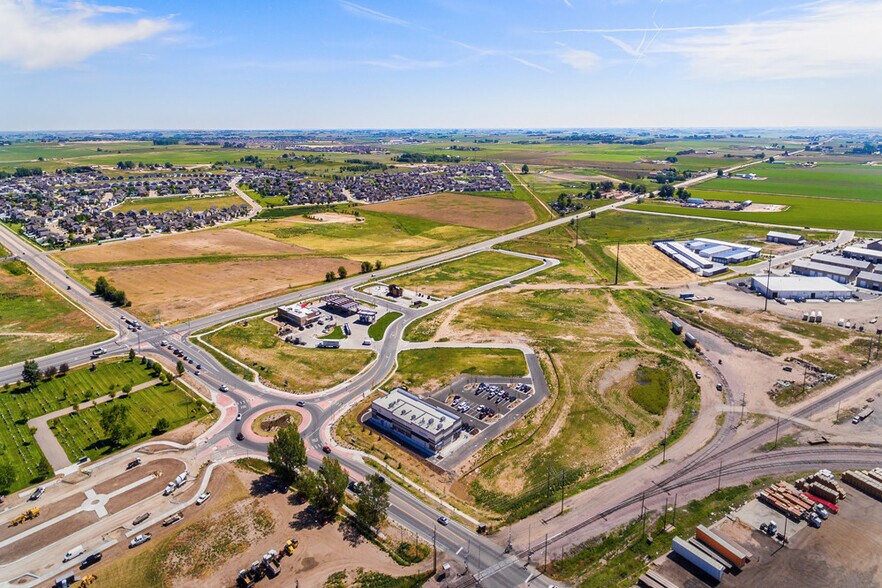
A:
(326, 449)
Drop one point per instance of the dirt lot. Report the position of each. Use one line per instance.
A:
(322, 551)
(652, 266)
(178, 291)
(46, 536)
(479, 212)
(198, 244)
(164, 469)
(47, 512)
(843, 552)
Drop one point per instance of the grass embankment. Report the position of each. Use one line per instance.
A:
(19, 403)
(80, 432)
(267, 424)
(159, 204)
(377, 330)
(428, 369)
(462, 275)
(35, 320)
(285, 366)
(619, 558)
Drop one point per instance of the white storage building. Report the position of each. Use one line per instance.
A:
(871, 255)
(852, 264)
(786, 238)
(799, 287)
(836, 273)
(870, 280)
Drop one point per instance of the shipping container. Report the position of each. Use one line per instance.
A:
(695, 557)
(652, 579)
(734, 555)
(710, 553)
(676, 327)
(687, 296)
(825, 503)
(863, 482)
(691, 341)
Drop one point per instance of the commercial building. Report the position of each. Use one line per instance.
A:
(786, 238)
(340, 304)
(395, 291)
(856, 265)
(414, 421)
(803, 267)
(799, 287)
(298, 315)
(873, 281)
(875, 245)
(706, 257)
(689, 259)
(871, 255)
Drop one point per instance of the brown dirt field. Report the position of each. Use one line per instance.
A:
(653, 266)
(47, 536)
(47, 512)
(178, 291)
(166, 468)
(197, 244)
(478, 212)
(137, 494)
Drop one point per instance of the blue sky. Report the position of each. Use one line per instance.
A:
(439, 63)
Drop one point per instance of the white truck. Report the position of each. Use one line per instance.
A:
(75, 552)
(176, 483)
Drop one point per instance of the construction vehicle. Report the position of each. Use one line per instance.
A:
(290, 546)
(257, 571)
(271, 563)
(86, 580)
(72, 581)
(243, 580)
(27, 515)
(173, 519)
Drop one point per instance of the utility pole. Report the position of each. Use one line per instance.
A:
(665, 447)
(468, 551)
(674, 511)
(805, 376)
(562, 484)
(838, 406)
(720, 476)
(529, 543)
(743, 402)
(434, 552)
(777, 424)
(617, 263)
(768, 281)
(665, 520)
(545, 567)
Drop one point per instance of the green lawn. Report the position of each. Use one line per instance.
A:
(826, 180)
(462, 275)
(81, 434)
(652, 391)
(430, 369)
(163, 203)
(378, 329)
(35, 320)
(288, 367)
(18, 404)
(335, 333)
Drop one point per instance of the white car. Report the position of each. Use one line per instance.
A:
(140, 540)
(697, 375)
(203, 497)
(239, 417)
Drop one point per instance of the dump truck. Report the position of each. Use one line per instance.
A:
(271, 563)
(27, 515)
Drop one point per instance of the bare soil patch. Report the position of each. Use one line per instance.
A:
(268, 424)
(334, 217)
(653, 266)
(166, 469)
(178, 291)
(479, 212)
(47, 512)
(196, 244)
(46, 536)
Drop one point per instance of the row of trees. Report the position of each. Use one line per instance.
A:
(31, 372)
(109, 293)
(326, 487)
(668, 191)
(342, 272)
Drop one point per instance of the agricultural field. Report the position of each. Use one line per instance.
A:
(614, 386)
(846, 181)
(287, 367)
(468, 210)
(426, 370)
(18, 404)
(164, 203)
(651, 265)
(800, 212)
(35, 320)
(462, 275)
(80, 433)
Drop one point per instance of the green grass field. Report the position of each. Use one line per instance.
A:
(462, 275)
(826, 180)
(164, 203)
(288, 367)
(35, 320)
(430, 369)
(81, 434)
(801, 212)
(377, 330)
(18, 404)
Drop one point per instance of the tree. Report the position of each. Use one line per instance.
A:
(63, 368)
(44, 469)
(161, 426)
(51, 371)
(7, 476)
(720, 173)
(115, 422)
(525, 169)
(666, 191)
(180, 368)
(30, 373)
(131, 355)
(101, 286)
(287, 454)
(326, 487)
(366, 267)
(329, 277)
(127, 389)
(378, 265)
(342, 273)
(373, 502)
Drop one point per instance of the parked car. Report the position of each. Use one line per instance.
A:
(443, 520)
(140, 540)
(203, 497)
(37, 493)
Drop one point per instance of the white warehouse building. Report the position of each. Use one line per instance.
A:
(799, 287)
(414, 421)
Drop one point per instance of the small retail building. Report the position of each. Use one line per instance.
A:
(415, 422)
(297, 315)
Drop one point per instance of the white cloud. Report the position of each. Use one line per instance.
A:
(364, 11)
(825, 40)
(580, 59)
(35, 36)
